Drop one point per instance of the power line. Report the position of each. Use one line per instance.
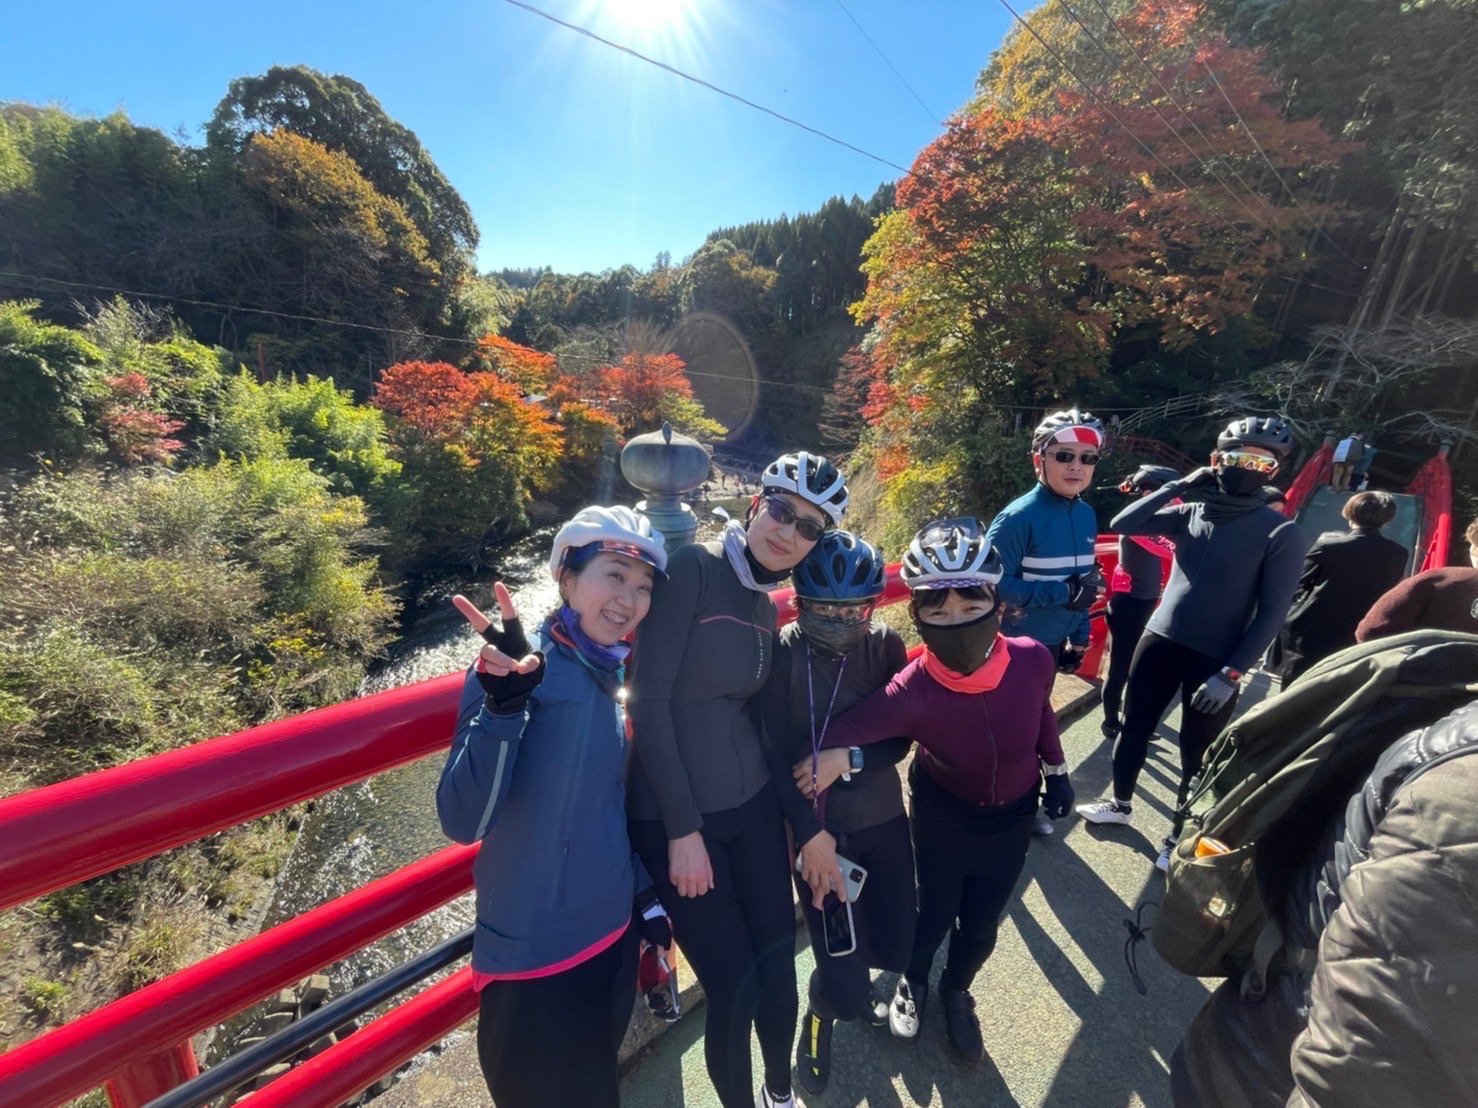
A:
(1210, 172)
(705, 84)
(888, 63)
(1090, 91)
(1278, 176)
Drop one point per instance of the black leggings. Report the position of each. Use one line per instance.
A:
(1126, 618)
(882, 918)
(553, 1040)
(740, 940)
(968, 860)
(1160, 669)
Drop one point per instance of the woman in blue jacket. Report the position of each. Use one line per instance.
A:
(535, 775)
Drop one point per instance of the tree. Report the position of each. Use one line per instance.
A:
(340, 114)
(52, 384)
(646, 389)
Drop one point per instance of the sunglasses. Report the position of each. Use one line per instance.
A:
(783, 514)
(857, 611)
(1240, 459)
(1067, 457)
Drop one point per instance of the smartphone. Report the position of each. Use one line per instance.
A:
(852, 874)
(836, 925)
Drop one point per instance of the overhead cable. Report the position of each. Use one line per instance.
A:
(888, 63)
(705, 84)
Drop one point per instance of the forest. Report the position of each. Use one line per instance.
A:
(256, 388)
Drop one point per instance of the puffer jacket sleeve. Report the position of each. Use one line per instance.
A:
(474, 781)
(1393, 1000)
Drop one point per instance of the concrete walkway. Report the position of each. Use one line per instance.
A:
(1063, 1022)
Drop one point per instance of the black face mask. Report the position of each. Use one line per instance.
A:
(1239, 482)
(833, 636)
(962, 647)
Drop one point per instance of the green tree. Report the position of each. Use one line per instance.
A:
(52, 382)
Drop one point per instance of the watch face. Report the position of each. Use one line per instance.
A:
(856, 758)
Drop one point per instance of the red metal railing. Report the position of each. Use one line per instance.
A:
(138, 1047)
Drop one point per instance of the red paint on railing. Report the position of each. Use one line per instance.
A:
(356, 1062)
(149, 1076)
(80, 1055)
(67, 832)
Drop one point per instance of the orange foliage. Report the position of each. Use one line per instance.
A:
(532, 369)
(638, 384)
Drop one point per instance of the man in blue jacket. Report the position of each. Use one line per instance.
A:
(1045, 541)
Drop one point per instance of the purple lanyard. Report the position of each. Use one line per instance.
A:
(817, 740)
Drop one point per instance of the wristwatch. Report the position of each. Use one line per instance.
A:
(854, 759)
(1232, 675)
(1054, 771)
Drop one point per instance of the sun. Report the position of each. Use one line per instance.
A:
(646, 16)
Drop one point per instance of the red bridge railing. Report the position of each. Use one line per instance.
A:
(138, 1047)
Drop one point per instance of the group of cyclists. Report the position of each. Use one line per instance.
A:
(750, 765)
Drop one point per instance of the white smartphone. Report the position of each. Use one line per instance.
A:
(852, 874)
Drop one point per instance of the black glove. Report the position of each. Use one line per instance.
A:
(507, 695)
(1057, 795)
(1083, 589)
(652, 922)
(1071, 658)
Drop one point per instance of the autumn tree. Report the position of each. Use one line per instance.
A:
(645, 389)
(471, 447)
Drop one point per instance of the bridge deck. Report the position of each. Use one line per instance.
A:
(1062, 1020)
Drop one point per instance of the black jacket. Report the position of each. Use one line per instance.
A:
(1344, 574)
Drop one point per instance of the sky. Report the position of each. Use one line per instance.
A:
(570, 154)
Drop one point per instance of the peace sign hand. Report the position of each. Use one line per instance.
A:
(505, 667)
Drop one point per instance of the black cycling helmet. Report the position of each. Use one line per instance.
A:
(812, 478)
(1269, 433)
(840, 567)
(949, 554)
(1148, 477)
(1091, 430)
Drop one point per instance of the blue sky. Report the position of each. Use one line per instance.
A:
(569, 153)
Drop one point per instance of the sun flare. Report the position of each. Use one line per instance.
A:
(647, 15)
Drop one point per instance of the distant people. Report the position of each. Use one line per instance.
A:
(1134, 590)
(1236, 565)
(534, 775)
(1445, 599)
(1384, 1016)
(978, 704)
(1344, 574)
(1045, 538)
(1360, 471)
(705, 817)
(830, 658)
(1347, 453)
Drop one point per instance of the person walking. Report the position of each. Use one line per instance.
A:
(704, 815)
(828, 659)
(1445, 598)
(1360, 471)
(1344, 574)
(1045, 539)
(1134, 590)
(1236, 565)
(978, 704)
(534, 775)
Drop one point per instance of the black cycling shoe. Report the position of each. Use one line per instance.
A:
(877, 1012)
(813, 1053)
(963, 1024)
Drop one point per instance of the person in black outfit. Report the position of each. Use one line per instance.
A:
(704, 816)
(1343, 575)
(1133, 593)
(830, 658)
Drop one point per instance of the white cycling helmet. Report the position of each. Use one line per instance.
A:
(812, 478)
(950, 554)
(619, 530)
(1069, 426)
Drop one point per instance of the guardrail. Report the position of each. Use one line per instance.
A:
(138, 1047)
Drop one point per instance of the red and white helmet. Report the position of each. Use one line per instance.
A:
(619, 529)
(1069, 426)
(812, 478)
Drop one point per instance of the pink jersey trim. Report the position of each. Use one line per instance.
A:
(482, 980)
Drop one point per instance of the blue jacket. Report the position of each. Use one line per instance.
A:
(1043, 538)
(542, 790)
